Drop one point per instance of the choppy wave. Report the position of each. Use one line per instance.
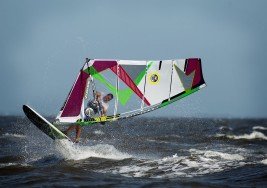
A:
(211, 154)
(225, 128)
(264, 161)
(14, 135)
(251, 136)
(200, 162)
(3, 165)
(8, 164)
(259, 128)
(158, 141)
(71, 151)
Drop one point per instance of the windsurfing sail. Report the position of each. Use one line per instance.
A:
(137, 86)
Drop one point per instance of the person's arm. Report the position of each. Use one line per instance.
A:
(97, 96)
(104, 111)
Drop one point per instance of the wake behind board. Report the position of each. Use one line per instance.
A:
(44, 125)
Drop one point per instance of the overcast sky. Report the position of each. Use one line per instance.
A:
(43, 45)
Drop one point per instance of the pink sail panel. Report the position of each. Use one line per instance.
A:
(101, 65)
(194, 65)
(129, 82)
(74, 102)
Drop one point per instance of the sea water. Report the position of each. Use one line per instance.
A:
(153, 152)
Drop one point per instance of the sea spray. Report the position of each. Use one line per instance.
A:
(72, 151)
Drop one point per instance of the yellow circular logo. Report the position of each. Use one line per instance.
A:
(154, 78)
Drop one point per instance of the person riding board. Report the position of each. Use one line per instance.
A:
(99, 105)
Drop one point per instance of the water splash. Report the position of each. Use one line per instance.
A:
(71, 151)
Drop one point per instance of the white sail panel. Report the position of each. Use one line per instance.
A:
(177, 85)
(131, 62)
(158, 81)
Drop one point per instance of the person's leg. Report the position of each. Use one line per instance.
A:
(78, 133)
(70, 128)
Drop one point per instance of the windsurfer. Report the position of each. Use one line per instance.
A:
(98, 105)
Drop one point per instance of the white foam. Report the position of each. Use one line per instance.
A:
(220, 135)
(13, 135)
(209, 155)
(158, 141)
(264, 161)
(225, 156)
(253, 135)
(99, 132)
(7, 164)
(198, 163)
(174, 158)
(2, 165)
(71, 151)
(259, 128)
(134, 170)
